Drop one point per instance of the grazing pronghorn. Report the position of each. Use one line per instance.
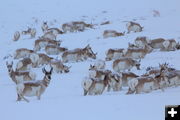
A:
(127, 76)
(40, 59)
(99, 64)
(24, 64)
(44, 27)
(141, 41)
(94, 86)
(137, 53)
(79, 54)
(34, 88)
(22, 53)
(54, 50)
(43, 42)
(16, 36)
(112, 33)
(26, 76)
(75, 26)
(30, 31)
(59, 67)
(123, 64)
(114, 54)
(134, 27)
(143, 85)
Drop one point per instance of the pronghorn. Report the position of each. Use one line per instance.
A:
(112, 33)
(26, 76)
(34, 88)
(30, 31)
(123, 64)
(43, 42)
(94, 86)
(114, 54)
(141, 41)
(59, 67)
(143, 84)
(134, 27)
(54, 50)
(79, 54)
(44, 27)
(75, 26)
(137, 53)
(24, 64)
(22, 53)
(127, 76)
(99, 64)
(16, 36)
(171, 76)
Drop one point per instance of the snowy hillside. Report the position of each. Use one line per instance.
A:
(63, 99)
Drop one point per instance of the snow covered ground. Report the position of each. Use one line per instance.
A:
(64, 98)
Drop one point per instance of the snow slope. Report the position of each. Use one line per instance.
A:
(64, 98)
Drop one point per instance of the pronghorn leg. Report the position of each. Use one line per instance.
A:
(38, 95)
(18, 98)
(85, 92)
(109, 88)
(22, 97)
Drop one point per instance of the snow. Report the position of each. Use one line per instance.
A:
(64, 99)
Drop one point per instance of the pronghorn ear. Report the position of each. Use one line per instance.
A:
(12, 63)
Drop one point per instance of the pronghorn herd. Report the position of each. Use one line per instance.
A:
(99, 78)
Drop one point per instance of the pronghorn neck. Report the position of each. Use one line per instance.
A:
(46, 81)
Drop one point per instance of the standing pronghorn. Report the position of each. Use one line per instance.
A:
(35, 88)
(26, 76)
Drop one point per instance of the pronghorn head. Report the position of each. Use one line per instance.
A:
(89, 52)
(91, 67)
(9, 66)
(47, 74)
(66, 68)
(138, 64)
